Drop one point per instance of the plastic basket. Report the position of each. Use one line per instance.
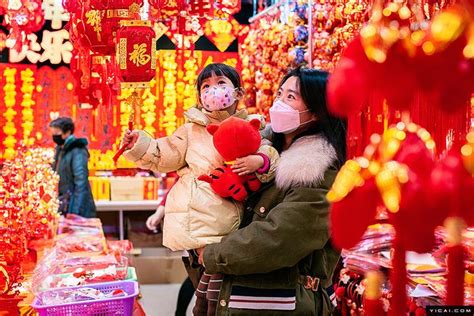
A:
(45, 286)
(122, 306)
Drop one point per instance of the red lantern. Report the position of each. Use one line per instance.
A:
(136, 53)
(100, 25)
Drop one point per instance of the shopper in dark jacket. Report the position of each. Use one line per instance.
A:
(71, 164)
(281, 260)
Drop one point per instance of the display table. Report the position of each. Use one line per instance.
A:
(122, 206)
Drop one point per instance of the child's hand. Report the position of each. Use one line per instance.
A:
(154, 220)
(247, 165)
(129, 139)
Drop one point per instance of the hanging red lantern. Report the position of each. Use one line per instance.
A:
(136, 53)
(102, 20)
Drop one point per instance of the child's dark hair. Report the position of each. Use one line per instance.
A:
(218, 69)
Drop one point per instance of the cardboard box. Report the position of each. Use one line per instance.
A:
(100, 187)
(126, 188)
(158, 266)
(150, 188)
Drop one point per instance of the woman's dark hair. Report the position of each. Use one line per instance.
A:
(65, 124)
(218, 69)
(312, 84)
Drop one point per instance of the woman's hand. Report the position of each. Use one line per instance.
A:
(200, 252)
(154, 220)
(247, 165)
(129, 139)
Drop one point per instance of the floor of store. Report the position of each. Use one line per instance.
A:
(160, 299)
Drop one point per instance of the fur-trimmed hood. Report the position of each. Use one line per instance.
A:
(305, 162)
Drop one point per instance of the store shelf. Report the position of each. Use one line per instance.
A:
(128, 206)
(109, 206)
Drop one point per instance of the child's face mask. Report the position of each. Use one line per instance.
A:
(218, 97)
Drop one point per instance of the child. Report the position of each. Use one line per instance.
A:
(195, 215)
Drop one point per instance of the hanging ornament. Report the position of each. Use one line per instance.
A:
(102, 20)
(22, 17)
(136, 53)
(136, 58)
(222, 32)
(201, 8)
(162, 10)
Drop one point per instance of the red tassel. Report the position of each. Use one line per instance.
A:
(124, 147)
(398, 278)
(373, 307)
(455, 281)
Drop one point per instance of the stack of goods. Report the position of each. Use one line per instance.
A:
(82, 257)
(426, 273)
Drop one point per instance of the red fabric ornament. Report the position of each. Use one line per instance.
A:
(351, 216)
(340, 292)
(136, 53)
(233, 138)
(420, 312)
(373, 307)
(455, 284)
(400, 85)
(349, 84)
(451, 187)
(398, 278)
(414, 154)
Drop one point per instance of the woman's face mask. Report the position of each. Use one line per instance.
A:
(218, 97)
(285, 119)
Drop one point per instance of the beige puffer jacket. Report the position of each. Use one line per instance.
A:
(195, 215)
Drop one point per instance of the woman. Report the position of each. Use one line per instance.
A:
(281, 260)
(70, 162)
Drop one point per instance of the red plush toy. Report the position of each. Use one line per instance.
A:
(234, 138)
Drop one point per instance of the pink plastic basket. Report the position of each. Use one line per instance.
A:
(122, 306)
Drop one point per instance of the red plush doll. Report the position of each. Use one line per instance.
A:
(234, 138)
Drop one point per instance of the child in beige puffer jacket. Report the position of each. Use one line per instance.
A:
(195, 215)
